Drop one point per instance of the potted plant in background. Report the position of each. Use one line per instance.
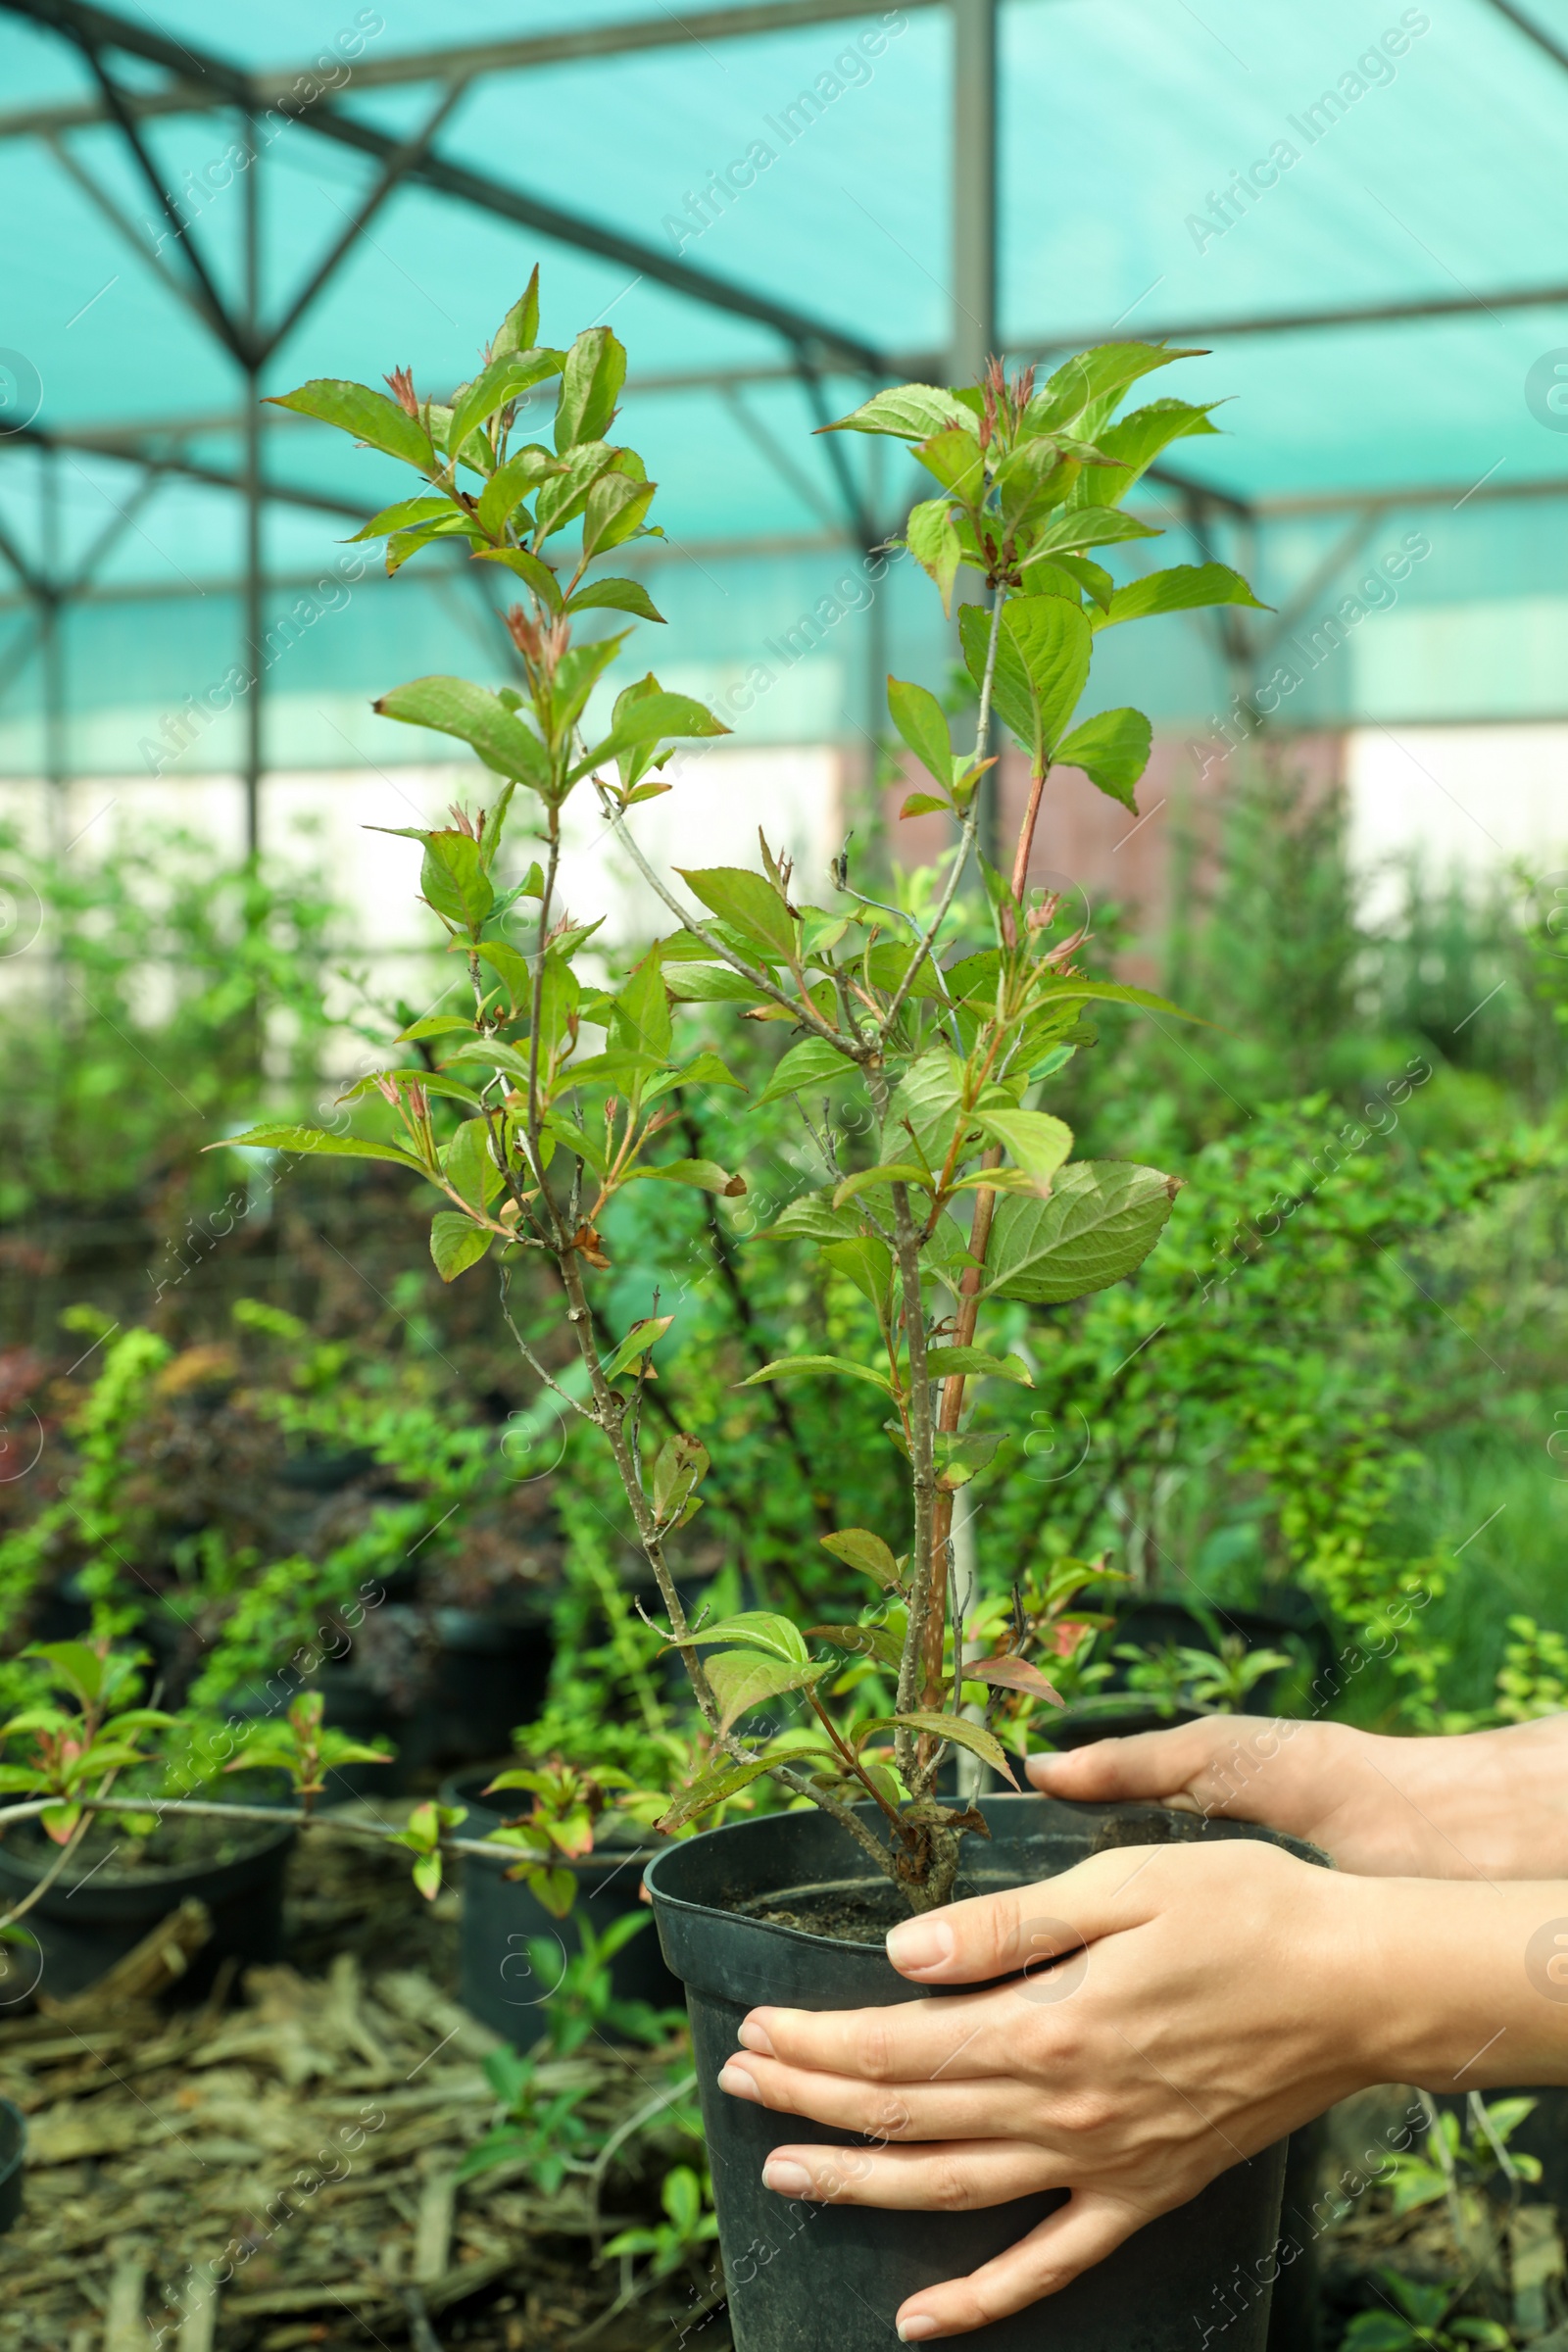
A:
(950, 1197)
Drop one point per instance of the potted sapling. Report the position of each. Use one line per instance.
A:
(951, 1197)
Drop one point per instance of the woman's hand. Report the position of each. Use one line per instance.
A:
(1487, 1805)
(1212, 1998)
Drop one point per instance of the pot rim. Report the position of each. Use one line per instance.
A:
(1245, 1833)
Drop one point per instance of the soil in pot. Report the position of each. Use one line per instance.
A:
(115, 1886)
(822, 2278)
(498, 1981)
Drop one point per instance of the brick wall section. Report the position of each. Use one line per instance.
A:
(1101, 851)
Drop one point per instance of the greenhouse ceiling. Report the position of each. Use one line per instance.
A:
(1356, 211)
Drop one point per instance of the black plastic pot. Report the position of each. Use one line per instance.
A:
(824, 2278)
(83, 1924)
(13, 2154)
(1156, 1620)
(497, 1978)
(486, 1673)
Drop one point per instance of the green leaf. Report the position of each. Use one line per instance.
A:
(638, 1343)
(591, 379)
(932, 539)
(519, 328)
(453, 880)
(862, 1641)
(1095, 375)
(1085, 526)
(703, 1175)
(642, 1008)
(813, 1220)
(963, 1734)
(648, 719)
(923, 725)
(896, 1171)
(513, 372)
(744, 1679)
(866, 1262)
(455, 1243)
(720, 1781)
(512, 968)
(1102, 1220)
(858, 1547)
(275, 1138)
(1093, 579)
(454, 707)
(468, 1163)
(975, 1364)
(1042, 665)
(787, 1366)
(957, 460)
(1037, 1142)
(532, 569)
(910, 412)
(754, 906)
(680, 1467)
(402, 517)
(813, 1062)
(511, 483)
(368, 416)
(616, 596)
(614, 511)
(925, 803)
(1180, 590)
(1113, 750)
(756, 1629)
(1135, 443)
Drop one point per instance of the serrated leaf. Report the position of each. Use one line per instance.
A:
(865, 1180)
(1038, 1142)
(751, 902)
(531, 569)
(1077, 527)
(1102, 1220)
(908, 412)
(505, 378)
(638, 1342)
(859, 1547)
(1180, 590)
(962, 1733)
(932, 539)
(703, 1175)
(402, 517)
(866, 1262)
(717, 1785)
(519, 328)
(813, 1062)
(614, 596)
(1113, 750)
(761, 1630)
(813, 1220)
(511, 483)
(313, 1139)
(455, 1243)
(1134, 444)
(679, 1466)
(1041, 665)
(1012, 1674)
(591, 375)
(974, 1363)
(862, 1641)
(1090, 376)
(368, 416)
(923, 725)
(744, 1679)
(789, 1366)
(455, 706)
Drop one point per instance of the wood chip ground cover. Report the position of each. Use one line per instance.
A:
(304, 2136)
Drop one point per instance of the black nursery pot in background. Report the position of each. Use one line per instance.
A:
(93, 1915)
(13, 2152)
(824, 2278)
(497, 1980)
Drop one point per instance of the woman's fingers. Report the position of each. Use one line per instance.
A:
(894, 2111)
(956, 2176)
(1150, 1764)
(1080, 2233)
(912, 2042)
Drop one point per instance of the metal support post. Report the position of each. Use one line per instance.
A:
(254, 646)
(973, 331)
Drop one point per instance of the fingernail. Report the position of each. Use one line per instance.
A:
(736, 2081)
(917, 1944)
(789, 2180)
(917, 2328)
(753, 2036)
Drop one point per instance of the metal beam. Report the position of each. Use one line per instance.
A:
(470, 60)
(1290, 322)
(1531, 30)
(224, 83)
(162, 461)
(973, 291)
